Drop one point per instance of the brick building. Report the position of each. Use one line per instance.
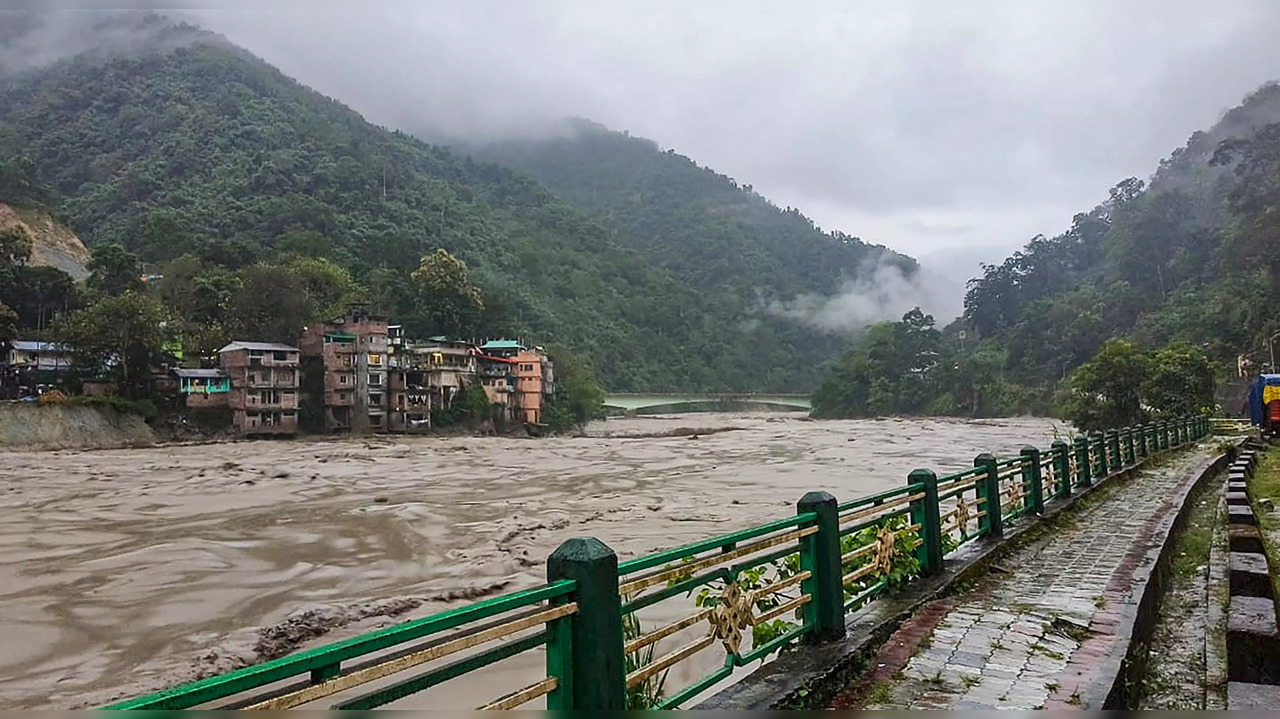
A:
(346, 365)
(265, 381)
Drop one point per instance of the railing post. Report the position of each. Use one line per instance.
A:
(1112, 452)
(820, 556)
(926, 513)
(988, 487)
(1163, 433)
(1031, 463)
(1129, 457)
(1099, 442)
(1152, 445)
(596, 666)
(1062, 469)
(1084, 473)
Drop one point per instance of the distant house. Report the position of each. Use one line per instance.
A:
(502, 348)
(203, 387)
(39, 356)
(265, 378)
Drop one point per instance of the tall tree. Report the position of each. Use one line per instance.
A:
(16, 243)
(445, 296)
(1106, 391)
(114, 270)
(1179, 382)
(121, 336)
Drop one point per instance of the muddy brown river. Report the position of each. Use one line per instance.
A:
(125, 571)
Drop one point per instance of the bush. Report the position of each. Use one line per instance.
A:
(144, 408)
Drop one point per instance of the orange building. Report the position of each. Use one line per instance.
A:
(528, 396)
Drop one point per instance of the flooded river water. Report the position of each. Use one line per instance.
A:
(123, 571)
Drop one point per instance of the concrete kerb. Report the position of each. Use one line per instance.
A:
(1217, 594)
(1127, 659)
(812, 676)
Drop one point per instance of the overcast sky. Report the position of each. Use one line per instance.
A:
(927, 126)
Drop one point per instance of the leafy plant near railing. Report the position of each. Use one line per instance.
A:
(903, 568)
(904, 565)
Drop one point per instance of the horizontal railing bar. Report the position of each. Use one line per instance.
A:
(765, 649)
(963, 475)
(693, 690)
(649, 580)
(224, 685)
(866, 593)
(354, 679)
(521, 696)
(668, 660)
(428, 679)
(864, 549)
(653, 560)
(781, 609)
(776, 587)
(876, 509)
(874, 521)
(686, 585)
(658, 635)
(881, 496)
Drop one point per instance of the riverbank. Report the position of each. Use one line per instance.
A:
(30, 426)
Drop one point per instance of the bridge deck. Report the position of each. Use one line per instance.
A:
(638, 402)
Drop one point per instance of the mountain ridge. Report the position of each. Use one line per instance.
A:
(200, 148)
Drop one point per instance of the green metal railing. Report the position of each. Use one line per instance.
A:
(753, 592)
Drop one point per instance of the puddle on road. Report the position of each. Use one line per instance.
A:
(124, 571)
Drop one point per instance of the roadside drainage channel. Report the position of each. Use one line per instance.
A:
(1253, 634)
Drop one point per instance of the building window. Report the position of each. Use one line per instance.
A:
(375, 398)
(375, 359)
(342, 379)
(375, 380)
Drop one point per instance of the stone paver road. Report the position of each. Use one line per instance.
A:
(1032, 634)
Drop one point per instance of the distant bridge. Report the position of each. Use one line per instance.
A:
(678, 403)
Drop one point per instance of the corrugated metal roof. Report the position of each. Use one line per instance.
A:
(30, 346)
(264, 346)
(201, 373)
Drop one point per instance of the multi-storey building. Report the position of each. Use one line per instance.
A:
(426, 375)
(265, 378)
(529, 377)
(347, 362)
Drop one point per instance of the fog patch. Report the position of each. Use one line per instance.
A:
(879, 293)
(30, 40)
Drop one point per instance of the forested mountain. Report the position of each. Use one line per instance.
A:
(1189, 260)
(1180, 258)
(701, 226)
(184, 148)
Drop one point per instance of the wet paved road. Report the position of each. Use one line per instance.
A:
(1033, 636)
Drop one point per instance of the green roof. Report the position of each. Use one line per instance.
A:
(340, 336)
(502, 345)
